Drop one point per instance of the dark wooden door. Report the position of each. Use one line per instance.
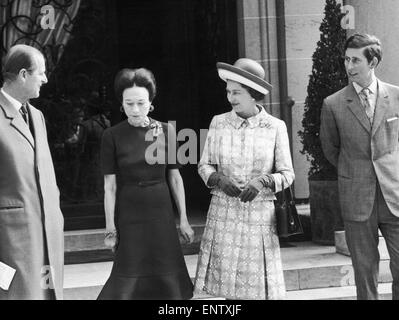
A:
(181, 41)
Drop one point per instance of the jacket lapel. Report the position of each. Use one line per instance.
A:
(356, 107)
(19, 124)
(381, 108)
(16, 120)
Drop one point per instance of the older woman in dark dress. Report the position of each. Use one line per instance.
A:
(149, 263)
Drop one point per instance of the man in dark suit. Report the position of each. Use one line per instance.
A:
(359, 135)
(31, 222)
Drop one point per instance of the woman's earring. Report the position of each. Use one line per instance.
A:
(151, 109)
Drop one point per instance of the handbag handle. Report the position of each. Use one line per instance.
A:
(283, 192)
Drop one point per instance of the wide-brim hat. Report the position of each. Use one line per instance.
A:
(245, 71)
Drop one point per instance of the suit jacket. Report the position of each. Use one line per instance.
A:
(363, 154)
(31, 222)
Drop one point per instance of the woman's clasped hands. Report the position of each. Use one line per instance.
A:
(251, 189)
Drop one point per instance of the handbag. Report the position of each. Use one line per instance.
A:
(288, 222)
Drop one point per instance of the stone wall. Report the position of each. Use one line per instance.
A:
(258, 39)
(381, 19)
(257, 32)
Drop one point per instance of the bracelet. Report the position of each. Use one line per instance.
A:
(111, 234)
(217, 178)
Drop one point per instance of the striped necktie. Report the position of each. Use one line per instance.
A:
(365, 95)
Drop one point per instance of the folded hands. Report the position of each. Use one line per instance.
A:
(249, 192)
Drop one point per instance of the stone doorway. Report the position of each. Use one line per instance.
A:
(180, 41)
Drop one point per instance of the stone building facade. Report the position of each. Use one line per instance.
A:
(282, 35)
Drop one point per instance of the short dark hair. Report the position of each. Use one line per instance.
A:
(258, 96)
(127, 78)
(370, 43)
(20, 56)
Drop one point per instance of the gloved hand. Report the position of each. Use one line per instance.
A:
(251, 190)
(225, 184)
(253, 187)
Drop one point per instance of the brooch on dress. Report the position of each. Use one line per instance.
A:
(264, 124)
(156, 127)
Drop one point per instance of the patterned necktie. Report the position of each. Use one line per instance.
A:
(24, 112)
(365, 95)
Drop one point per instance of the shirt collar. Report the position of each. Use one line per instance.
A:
(259, 119)
(14, 102)
(372, 87)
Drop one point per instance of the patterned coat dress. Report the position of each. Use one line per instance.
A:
(240, 254)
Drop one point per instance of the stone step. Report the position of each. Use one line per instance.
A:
(311, 266)
(342, 247)
(85, 281)
(306, 267)
(85, 246)
(337, 293)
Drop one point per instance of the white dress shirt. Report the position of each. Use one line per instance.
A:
(14, 102)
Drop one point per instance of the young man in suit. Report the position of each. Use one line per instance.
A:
(31, 222)
(359, 135)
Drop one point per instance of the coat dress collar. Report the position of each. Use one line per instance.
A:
(259, 120)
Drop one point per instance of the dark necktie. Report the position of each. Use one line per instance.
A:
(24, 112)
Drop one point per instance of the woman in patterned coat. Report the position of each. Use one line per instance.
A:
(245, 161)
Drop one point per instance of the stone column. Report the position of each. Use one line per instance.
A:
(287, 61)
(302, 22)
(258, 40)
(262, 37)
